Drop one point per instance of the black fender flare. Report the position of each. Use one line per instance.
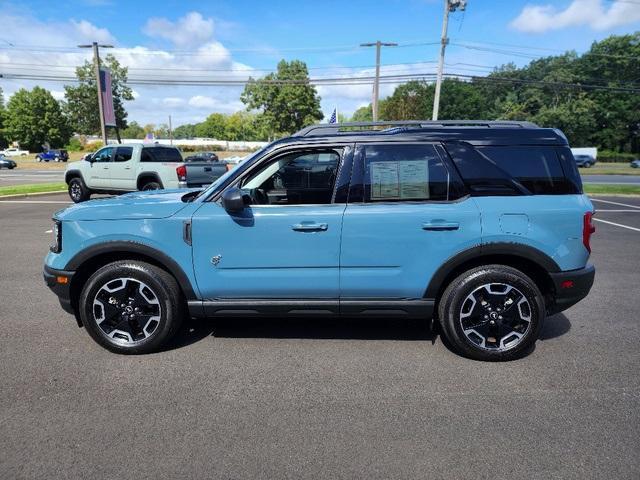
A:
(69, 174)
(148, 176)
(519, 250)
(125, 247)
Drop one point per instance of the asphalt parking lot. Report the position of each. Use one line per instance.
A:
(318, 398)
(22, 177)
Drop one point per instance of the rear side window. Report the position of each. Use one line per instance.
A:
(511, 170)
(160, 154)
(396, 173)
(123, 154)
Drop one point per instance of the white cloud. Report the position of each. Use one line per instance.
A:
(192, 29)
(90, 31)
(592, 13)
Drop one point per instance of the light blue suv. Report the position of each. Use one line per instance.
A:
(481, 225)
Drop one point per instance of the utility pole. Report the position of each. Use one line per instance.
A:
(449, 6)
(96, 65)
(376, 85)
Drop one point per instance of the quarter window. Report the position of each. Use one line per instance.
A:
(404, 172)
(301, 178)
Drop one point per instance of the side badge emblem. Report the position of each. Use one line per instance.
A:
(216, 260)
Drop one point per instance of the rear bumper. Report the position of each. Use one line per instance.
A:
(571, 287)
(62, 290)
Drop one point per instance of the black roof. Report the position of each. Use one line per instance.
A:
(476, 132)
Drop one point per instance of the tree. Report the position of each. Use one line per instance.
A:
(34, 118)
(82, 100)
(3, 140)
(363, 114)
(285, 107)
(133, 130)
(185, 131)
(213, 127)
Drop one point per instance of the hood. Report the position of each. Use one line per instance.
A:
(131, 206)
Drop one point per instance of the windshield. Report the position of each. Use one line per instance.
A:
(223, 179)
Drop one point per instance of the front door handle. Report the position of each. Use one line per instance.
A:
(127, 168)
(310, 227)
(440, 226)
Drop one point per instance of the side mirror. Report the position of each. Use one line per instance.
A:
(234, 200)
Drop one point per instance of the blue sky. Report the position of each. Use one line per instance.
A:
(241, 38)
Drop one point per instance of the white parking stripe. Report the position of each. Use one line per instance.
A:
(615, 203)
(617, 224)
(34, 201)
(622, 210)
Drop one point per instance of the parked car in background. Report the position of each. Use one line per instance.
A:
(7, 163)
(635, 163)
(15, 152)
(128, 167)
(482, 226)
(586, 161)
(58, 155)
(202, 157)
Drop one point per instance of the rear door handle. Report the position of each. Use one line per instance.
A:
(127, 168)
(310, 227)
(440, 226)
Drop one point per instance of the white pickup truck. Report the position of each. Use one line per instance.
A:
(15, 152)
(129, 167)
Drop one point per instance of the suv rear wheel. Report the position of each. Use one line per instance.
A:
(493, 312)
(131, 307)
(78, 191)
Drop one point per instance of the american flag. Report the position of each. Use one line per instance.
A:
(334, 116)
(106, 94)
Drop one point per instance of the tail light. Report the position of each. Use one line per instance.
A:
(182, 173)
(588, 229)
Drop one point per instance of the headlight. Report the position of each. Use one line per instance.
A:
(56, 243)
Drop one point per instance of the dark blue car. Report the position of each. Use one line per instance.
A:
(53, 156)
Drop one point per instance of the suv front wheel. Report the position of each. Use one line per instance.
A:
(131, 307)
(493, 312)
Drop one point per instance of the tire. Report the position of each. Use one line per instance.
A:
(152, 185)
(493, 338)
(39, 158)
(139, 287)
(78, 191)
(587, 165)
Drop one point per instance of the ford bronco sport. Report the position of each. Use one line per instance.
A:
(480, 225)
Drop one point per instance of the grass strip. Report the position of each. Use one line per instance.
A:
(33, 188)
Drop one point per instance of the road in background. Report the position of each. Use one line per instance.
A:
(316, 398)
(22, 177)
(611, 179)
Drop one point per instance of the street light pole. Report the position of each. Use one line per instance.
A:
(376, 85)
(96, 65)
(449, 6)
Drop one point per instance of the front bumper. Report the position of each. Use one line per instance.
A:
(571, 287)
(53, 278)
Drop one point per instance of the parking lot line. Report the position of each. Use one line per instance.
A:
(616, 203)
(617, 224)
(35, 201)
(622, 210)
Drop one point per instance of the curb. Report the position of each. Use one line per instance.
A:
(34, 194)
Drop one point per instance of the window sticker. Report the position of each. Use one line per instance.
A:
(405, 180)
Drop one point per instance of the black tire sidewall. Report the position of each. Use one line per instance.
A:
(462, 286)
(156, 186)
(84, 195)
(164, 287)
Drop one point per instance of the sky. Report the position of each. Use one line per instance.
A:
(238, 38)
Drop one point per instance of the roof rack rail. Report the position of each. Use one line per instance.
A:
(350, 127)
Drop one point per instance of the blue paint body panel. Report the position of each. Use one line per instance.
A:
(262, 256)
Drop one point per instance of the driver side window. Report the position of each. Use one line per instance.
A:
(300, 178)
(103, 155)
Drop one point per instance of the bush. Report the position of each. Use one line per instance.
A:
(610, 156)
(93, 146)
(74, 145)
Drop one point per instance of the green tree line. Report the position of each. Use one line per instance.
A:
(575, 93)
